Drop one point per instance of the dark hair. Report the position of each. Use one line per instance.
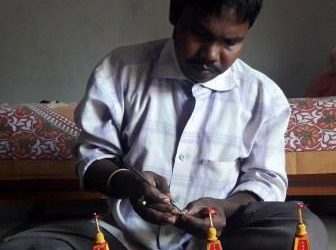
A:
(247, 10)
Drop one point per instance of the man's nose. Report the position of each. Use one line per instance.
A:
(210, 52)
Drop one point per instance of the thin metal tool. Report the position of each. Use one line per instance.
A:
(138, 173)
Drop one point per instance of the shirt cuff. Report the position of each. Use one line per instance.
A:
(264, 192)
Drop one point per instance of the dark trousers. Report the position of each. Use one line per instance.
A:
(258, 226)
(271, 226)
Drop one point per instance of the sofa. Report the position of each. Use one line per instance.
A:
(36, 159)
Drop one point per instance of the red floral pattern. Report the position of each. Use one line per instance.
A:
(312, 125)
(38, 132)
(35, 132)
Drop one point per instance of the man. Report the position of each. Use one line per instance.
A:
(325, 83)
(203, 128)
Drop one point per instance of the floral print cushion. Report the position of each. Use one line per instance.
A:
(38, 132)
(35, 132)
(37, 139)
(312, 125)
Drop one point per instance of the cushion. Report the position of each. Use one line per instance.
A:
(36, 141)
(311, 136)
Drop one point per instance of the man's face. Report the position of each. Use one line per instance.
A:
(206, 46)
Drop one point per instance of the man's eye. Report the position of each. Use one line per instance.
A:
(200, 34)
(231, 43)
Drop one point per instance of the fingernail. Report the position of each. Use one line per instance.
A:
(172, 220)
(166, 200)
(176, 212)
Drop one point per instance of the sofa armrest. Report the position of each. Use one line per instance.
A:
(36, 160)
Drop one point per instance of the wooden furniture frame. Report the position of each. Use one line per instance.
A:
(312, 185)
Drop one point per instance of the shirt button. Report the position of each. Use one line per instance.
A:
(166, 232)
(181, 157)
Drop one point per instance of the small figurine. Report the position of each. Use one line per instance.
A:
(213, 243)
(100, 243)
(301, 241)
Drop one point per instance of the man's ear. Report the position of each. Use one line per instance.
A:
(176, 9)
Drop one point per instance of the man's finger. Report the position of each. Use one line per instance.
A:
(198, 223)
(154, 216)
(163, 207)
(161, 184)
(195, 209)
(155, 195)
(193, 225)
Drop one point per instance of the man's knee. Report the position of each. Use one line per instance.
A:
(272, 225)
(316, 230)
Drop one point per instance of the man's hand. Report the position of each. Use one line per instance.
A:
(127, 185)
(153, 202)
(196, 220)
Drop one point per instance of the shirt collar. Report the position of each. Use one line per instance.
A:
(223, 82)
(168, 67)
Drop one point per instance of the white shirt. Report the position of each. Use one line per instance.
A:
(208, 140)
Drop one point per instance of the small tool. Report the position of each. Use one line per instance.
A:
(139, 174)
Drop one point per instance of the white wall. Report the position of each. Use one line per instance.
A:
(49, 47)
(291, 41)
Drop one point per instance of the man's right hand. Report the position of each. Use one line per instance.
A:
(128, 185)
(153, 205)
(150, 201)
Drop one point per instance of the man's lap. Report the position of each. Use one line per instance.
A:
(79, 234)
(271, 225)
(258, 226)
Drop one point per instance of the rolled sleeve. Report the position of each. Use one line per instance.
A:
(99, 116)
(263, 172)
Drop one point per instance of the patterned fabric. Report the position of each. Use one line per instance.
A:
(312, 125)
(35, 132)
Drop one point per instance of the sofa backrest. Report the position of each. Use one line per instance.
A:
(36, 140)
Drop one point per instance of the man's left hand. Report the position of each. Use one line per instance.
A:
(196, 220)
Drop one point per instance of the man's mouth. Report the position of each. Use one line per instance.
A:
(200, 71)
(206, 68)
